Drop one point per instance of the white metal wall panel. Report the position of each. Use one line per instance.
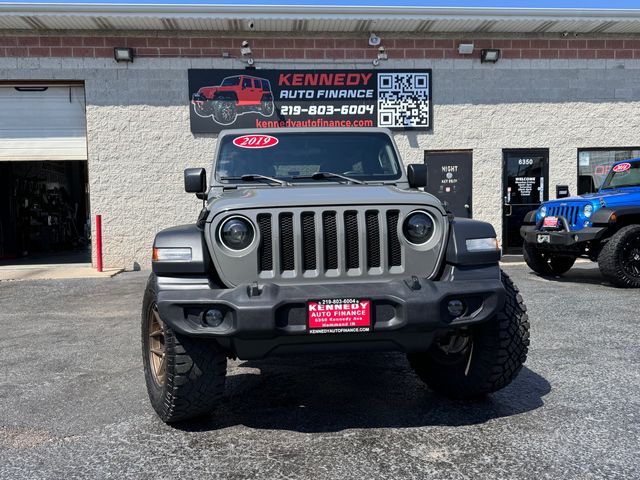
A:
(201, 23)
(12, 22)
(65, 22)
(624, 27)
(461, 25)
(135, 23)
(43, 125)
(332, 25)
(396, 25)
(517, 26)
(579, 26)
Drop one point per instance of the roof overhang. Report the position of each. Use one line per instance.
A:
(300, 18)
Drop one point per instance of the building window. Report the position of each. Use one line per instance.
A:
(594, 164)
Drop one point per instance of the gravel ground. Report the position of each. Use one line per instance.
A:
(73, 402)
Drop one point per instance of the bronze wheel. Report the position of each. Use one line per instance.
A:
(157, 354)
(184, 375)
(468, 364)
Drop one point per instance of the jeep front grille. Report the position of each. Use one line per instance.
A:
(265, 254)
(395, 251)
(329, 243)
(570, 212)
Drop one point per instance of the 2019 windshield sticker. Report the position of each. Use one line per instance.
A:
(255, 141)
(622, 167)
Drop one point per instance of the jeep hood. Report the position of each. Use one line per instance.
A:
(623, 196)
(325, 195)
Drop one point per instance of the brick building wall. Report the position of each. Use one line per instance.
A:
(323, 48)
(560, 94)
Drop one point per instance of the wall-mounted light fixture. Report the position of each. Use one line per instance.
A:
(123, 54)
(490, 55)
(245, 50)
(382, 55)
(374, 40)
(465, 48)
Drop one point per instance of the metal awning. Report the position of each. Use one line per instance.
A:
(287, 18)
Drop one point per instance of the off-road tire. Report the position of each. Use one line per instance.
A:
(205, 110)
(266, 106)
(546, 263)
(225, 111)
(195, 371)
(612, 262)
(496, 352)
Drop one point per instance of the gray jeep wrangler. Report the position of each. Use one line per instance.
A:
(317, 240)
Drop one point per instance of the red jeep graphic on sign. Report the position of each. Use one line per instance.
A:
(234, 96)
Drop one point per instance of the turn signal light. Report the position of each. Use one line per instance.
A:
(171, 254)
(482, 244)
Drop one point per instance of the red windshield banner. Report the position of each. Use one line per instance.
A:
(396, 99)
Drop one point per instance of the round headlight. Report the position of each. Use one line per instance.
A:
(543, 212)
(418, 228)
(237, 233)
(588, 210)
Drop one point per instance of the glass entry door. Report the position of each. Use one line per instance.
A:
(525, 186)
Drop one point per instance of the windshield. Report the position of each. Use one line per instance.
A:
(230, 81)
(623, 175)
(365, 156)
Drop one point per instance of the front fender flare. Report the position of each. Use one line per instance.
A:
(180, 237)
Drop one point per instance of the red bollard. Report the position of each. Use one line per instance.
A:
(99, 242)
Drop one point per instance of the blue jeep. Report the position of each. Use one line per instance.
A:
(602, 226)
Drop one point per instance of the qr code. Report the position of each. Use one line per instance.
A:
(403, 100)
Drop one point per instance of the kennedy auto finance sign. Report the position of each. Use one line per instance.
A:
(221, 99)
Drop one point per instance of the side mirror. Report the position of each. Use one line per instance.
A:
(195, 180)
(417, 175)
(562, 191)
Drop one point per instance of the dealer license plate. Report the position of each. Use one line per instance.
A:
(339, 315)
(551, 222)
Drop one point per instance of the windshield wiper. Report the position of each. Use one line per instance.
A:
(327, 175)
(250, 177)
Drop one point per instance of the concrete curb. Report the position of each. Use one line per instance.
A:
(53, 272)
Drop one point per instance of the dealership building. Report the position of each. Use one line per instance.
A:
(102, 107)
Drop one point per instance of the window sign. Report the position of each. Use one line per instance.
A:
(594, 165)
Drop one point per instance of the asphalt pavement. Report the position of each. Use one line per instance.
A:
(73, 402)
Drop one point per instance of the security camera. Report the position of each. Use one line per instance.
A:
(374, 40)
(382, 53)
(251, 25)
(245, 49)
(565, 34)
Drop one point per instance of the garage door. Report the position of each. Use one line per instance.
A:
(42, 123)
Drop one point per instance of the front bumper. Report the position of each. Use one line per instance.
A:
(259, 320)
(560, 239)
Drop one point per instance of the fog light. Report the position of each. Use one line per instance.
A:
(456, 307)
(213, 317)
